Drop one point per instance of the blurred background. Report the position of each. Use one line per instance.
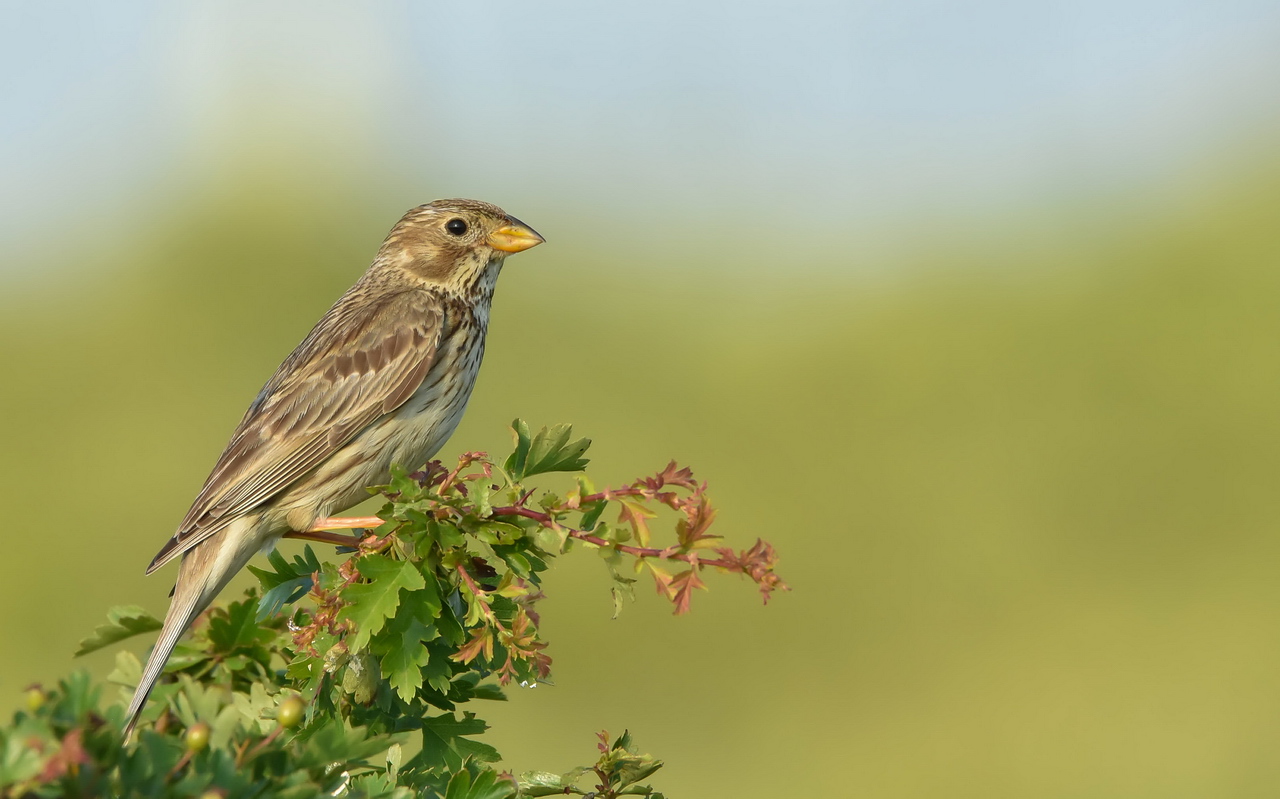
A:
(970, 309)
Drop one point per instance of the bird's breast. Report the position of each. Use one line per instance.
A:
(421, 426)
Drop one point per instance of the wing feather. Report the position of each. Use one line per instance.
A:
(363, 360)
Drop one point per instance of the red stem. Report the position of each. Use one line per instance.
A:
(478, 594)
(265, 742)
(670, 553)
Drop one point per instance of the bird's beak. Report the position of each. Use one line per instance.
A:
(515, 237)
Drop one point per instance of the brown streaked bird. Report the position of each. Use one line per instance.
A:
(383, 378)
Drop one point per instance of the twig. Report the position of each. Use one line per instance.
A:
(670, 553)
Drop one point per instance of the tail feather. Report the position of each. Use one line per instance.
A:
(186, 605)
(204, 571)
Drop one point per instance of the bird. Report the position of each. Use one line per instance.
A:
(383, 378)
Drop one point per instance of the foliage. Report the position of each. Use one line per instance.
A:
(351, 678)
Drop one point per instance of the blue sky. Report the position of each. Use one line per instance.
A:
(867, 110)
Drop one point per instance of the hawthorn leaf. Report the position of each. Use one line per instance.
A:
(592, 514)
(514, 465)
(488, 785)
(441, 738)
(637, 515)
(361, 677)
(481, 496)
(236, 626)
(285, 582)
(438, 671)
(459, 786)
(372, 603)
(488, 691)
(548, 450)
(405, 653)
(123, 621)
(544, 783)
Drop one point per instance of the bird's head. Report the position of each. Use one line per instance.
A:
(453, 243)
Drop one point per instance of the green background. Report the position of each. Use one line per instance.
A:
(1029, 519)
(1016, 450)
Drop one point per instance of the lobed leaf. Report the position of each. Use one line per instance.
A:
(371, 604)
(404, 652)
(285, 582)
(123, 621)
(548, 450)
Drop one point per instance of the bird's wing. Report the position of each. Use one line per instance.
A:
(363, 360)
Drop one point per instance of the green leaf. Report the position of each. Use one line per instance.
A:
(374, 602)
(253, 706)
(284, 594)
(448, 535)
(488, 785)
(489, 691)
(403, 484)
(286, 582)
(633, 768)
(518, 563)
(625, 767)
(193, 703)
(123, 621)
(19, 761)
(544, 783)
(620, 595)
(404, 642)
(459, 786)
(380, 786)
(337, 743)
(128, 670)
(438, 668)
(476, 750)
(361, 677)
(441, 739)
(623, 741)
(394, 756)
(481, 495)
(548, 450)
(549, 540)
(514, 464)
(552, 451)
(80, 693)
(492, 532)
(236, 626)
(592, 514)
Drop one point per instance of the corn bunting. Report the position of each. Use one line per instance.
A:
(383, 378)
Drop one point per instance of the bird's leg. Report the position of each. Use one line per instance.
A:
(318, 531)
(346, 523)
(325, 538)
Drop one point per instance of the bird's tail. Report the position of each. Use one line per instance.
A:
(204, 571)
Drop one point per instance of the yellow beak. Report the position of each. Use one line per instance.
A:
(515, 237)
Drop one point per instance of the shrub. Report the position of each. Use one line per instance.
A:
(356, 678)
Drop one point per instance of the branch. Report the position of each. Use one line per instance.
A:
(670, 553)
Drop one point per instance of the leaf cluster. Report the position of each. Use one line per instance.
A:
(356, 676)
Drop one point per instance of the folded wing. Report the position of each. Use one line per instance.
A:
(363, 360)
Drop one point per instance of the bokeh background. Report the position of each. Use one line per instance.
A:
(970, 308)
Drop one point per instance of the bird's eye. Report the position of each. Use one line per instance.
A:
(456, 226)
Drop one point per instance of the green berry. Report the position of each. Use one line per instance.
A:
(197, 737)
(290, 712)
(34, 698)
